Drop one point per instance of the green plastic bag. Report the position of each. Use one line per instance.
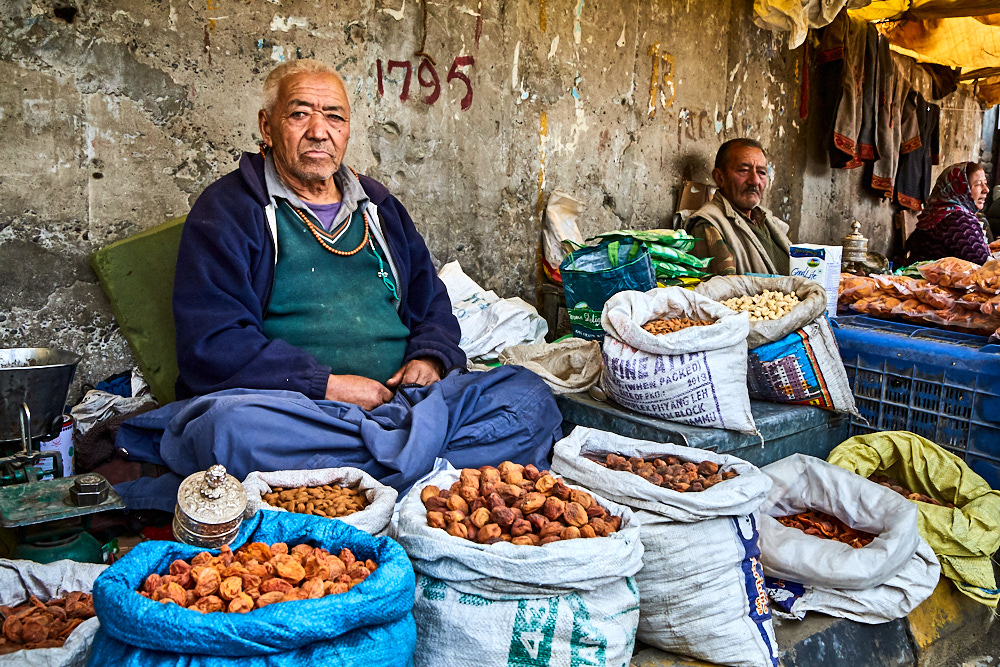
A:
(676, 256)
(912, 271)
(671, 238)
(964, 537)
(672, 270)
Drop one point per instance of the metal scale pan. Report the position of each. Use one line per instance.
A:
(34, 385)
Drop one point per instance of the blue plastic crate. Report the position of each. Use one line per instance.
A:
(939, 384)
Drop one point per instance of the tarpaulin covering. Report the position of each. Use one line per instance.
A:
(965, 536)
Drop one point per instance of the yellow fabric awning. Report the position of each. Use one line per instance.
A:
(963, 34)
(955, 33)
(879, 10)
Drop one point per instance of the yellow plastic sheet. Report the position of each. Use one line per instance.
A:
(964, 537)
(923, 9)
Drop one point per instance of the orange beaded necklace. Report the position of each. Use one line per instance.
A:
(319, 235)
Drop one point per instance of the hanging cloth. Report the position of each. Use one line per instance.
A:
(893, 89)
(913, 175)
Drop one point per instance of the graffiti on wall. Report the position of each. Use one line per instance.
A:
(427, 78)
(661, 85)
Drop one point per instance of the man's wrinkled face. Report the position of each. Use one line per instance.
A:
(308, 127)
(743, 178)
(979, 188)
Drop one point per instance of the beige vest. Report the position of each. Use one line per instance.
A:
(748, 253)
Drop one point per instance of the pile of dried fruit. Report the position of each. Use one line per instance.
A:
(516, 504)
(255, 576)
(327, 500)
(890, 483)
(37, 624)
(828, 527)
(671, 472)
(660, 327)
(767, 305)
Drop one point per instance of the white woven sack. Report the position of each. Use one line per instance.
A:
(701, 587)
(808, 483)
(893, 599)
(568, 366)
(810, 372)
(564, 604)
(20, 579)
(812, 302)
(695, 376)
(373, 519)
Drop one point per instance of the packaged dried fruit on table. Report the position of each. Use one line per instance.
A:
(879, 305)
(516, 504)
(901, 286)
(973, 300)
(935, 295)
(826, 526)
(948, 271)
(962, 318)
(663, 326)
(329, 500)
(913, 309)
(670, 472)
(986, 278)
(35, 624)
(853, 288)
(255, 576)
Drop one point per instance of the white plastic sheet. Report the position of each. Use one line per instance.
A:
(489, 324)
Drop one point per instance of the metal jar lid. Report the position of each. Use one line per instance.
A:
(210, 508)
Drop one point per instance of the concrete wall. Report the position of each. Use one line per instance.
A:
(115, 114)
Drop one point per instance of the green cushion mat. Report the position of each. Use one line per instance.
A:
(137, 275)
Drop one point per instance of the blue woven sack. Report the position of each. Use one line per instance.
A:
(369, 625)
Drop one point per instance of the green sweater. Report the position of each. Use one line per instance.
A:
(336, 308)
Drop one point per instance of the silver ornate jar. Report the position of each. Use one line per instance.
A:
(209, 509)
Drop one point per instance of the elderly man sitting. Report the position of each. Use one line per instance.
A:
(739, 234)
(304, 298)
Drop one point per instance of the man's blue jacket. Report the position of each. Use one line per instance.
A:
(225, 269)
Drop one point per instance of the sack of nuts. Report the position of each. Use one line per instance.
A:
(348, 494)
(700, 558)
(504, 598)
(369, 623)
(793, 354)
(32, 635)
(827, 564)
(695, 375)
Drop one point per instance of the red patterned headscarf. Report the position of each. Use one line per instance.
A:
(951, 198)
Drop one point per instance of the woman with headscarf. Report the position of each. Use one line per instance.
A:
(948, 226)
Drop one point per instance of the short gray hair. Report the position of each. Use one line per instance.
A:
(273, 80)
(722, 157)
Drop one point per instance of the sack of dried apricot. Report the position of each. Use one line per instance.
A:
(316, 621)
(701, 587)
(47, 611)
(809, 568)
(551, 566)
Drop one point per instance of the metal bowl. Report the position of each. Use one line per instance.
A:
(39, 378)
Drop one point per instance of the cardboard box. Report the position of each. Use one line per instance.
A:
(820, 263)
